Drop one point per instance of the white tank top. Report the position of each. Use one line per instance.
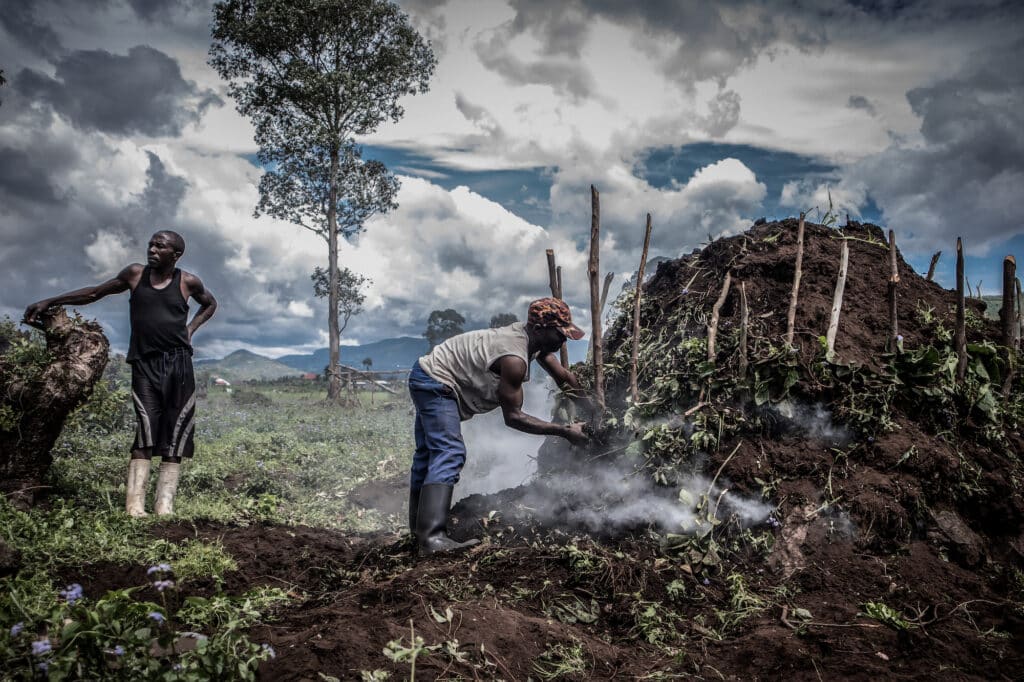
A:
(463, 362)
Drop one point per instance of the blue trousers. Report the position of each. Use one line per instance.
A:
(440, 450)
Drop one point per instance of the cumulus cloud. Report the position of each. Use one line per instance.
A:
(966, 173)
(861, 102)
(142, 92)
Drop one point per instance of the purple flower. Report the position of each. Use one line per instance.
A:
(685, 291)
(899, 337)
(162, 585)
(72, 593)
(16, 629)
(41, 647)
(157, 616)
(706, 581)
(43, 665)
(269, 649)
(159, 568)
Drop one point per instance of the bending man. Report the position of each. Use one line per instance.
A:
(160, 354)
(470, 374)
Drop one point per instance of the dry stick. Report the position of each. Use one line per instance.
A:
(633, 387)
(791, 317)
(837, 302)
(1008, 318)
(1020, 318)
(713, 327)
(960, 333)
(894, 279)
(604, 297)
(931, 266)
(593, 269)
(552, 272)
(563, 352)
(744, 316)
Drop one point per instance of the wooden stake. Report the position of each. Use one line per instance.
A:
(931, 266)
(604, 289)
(744, 318)
(713, 327)
(1020, 317)
(960, 333)
(791, 317)
(837, 302)
(1006, 314)
(633, 386)
(563, 352)
(894, 279)
(593, 269)
(552, 273)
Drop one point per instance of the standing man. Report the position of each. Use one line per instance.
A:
(160, 354)
(470, 374)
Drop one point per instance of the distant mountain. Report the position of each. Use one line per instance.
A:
(243, 365)
(397, 353)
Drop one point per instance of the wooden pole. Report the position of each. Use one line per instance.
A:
(563, 352)
(593, 269)
(791, 317)
(931, 266)
(552, 272)
(713, 327)
(1020, 317)
(1007, 316)
(604, 298)
(837, 302)
(633, 386)
(744, 319)
(960, 333)
(894, 280)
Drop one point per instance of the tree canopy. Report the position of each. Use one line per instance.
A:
(503, 320)
(442, 325)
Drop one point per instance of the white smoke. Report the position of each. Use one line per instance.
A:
(815, 420)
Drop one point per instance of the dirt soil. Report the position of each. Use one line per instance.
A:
(877, 564)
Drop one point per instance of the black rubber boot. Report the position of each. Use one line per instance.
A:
(414, 506)
(432, 521)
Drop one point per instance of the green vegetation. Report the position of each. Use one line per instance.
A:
(265, 453)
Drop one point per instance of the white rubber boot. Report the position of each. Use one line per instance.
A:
(138, 477)
(167, 487)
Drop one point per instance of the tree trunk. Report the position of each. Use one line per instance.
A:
(39, 406)
(334, 335)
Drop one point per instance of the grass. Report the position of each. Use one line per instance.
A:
(263, 453)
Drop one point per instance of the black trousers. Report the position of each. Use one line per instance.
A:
(164, 394)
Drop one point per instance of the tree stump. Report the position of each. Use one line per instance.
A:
(36, 403)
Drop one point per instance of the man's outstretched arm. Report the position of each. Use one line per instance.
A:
(566, 381)
(121, 283)
(207, 303)
(510, 396)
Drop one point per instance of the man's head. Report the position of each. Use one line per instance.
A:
(164, 249)
(550, 321)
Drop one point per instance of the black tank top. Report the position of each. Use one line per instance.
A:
(159, 317)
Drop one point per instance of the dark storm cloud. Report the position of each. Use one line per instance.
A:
(153, 10)
(20, 21)
(24, 178)
(861, 102)
(163, 194)
(967, 176)
(141, 92)
(565, 76)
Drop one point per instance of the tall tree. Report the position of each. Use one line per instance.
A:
(312, 75)
(443, 324)
(503, 320)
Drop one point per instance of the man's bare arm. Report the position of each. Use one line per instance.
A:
(119, 284)
(510, 396)
(565, 380)
(207, 303)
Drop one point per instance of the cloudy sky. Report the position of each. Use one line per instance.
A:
(707, 115)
